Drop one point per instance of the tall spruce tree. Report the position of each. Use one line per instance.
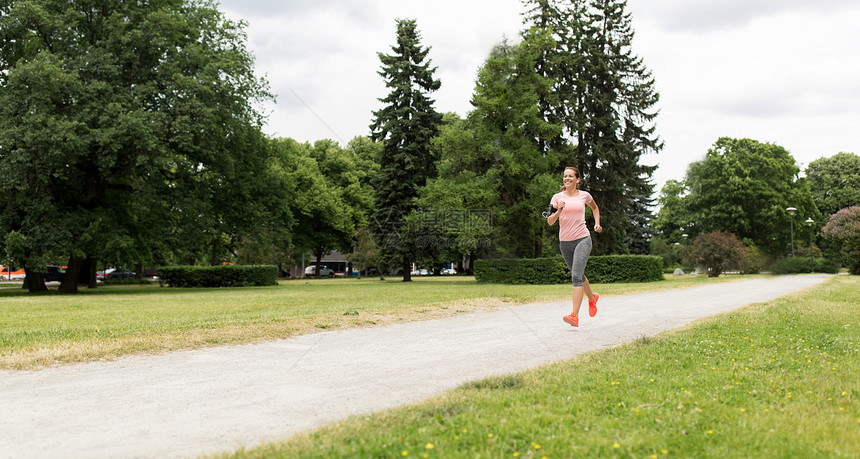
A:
(405, 126)
(604, 97)
(619, 128)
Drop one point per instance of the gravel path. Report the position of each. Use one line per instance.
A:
(207, 401)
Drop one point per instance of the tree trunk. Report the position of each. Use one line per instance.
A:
(73, 274)
(87, 274)
(407, 271)
(92, 279)
(34, 283)
(138, 271)
(319, 260)
(214, 260)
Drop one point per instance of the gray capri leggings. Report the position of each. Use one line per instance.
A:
(575, 254)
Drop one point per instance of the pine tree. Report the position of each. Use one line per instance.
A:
(618, 128)
(603, 95)
(405, 126)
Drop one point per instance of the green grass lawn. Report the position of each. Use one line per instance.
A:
(116, 320)
(778, 379)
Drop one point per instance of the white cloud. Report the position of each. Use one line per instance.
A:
(781, 71)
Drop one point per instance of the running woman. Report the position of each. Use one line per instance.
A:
(574, 238)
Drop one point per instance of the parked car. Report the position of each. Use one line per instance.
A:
(324, 271)
(120, 274)
(15, 274)
(54, 273)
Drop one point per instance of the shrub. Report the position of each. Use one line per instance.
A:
(522, 271)
(218, 276)
(844, 228)
(796, 265)
(624, 268)
(600, 269)
(753, 261)
(717, 252)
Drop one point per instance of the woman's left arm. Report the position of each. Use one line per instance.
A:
(596, 211)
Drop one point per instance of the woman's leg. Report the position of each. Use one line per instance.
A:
(577, 272)
(577, 300)
(587, 289)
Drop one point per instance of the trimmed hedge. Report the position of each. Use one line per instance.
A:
(797, 265)
(600, 269)
(522, 271)
(624, 268)
(218, 276)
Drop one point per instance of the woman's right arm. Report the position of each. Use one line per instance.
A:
(554, 217)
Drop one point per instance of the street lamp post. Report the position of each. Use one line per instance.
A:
(791, 211)
(811, 259)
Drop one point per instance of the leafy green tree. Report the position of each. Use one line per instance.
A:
(513, 139)
(835, 182)
(673, 218)
(364, 253)
(115, 116)
(322, 218)
(743, 187)
(405, 126)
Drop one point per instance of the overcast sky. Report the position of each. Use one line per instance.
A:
(779, 71)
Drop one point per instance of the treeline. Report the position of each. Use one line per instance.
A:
(755, 193)
(131, 136)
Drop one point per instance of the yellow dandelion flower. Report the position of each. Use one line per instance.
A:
(465, 430)
(844, 393)
(404, 453)
(489, 435)
(616, 445)
(428, 446)
(537, 446)
(516, 454)
(710, 432)
(653, 456)
(743, 410)
(663, 451)
(425, 455)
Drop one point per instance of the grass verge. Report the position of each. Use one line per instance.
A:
(776, 379)
(117, 320)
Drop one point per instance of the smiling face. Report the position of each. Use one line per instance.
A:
(571, 178)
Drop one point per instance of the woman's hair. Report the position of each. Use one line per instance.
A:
(576, 173)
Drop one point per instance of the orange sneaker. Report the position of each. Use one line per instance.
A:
(572, 320)
(592, 306)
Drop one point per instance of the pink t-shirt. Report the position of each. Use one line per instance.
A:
(571, 221)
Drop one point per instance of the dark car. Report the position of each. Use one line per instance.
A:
(54, 273)
(121, 274)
